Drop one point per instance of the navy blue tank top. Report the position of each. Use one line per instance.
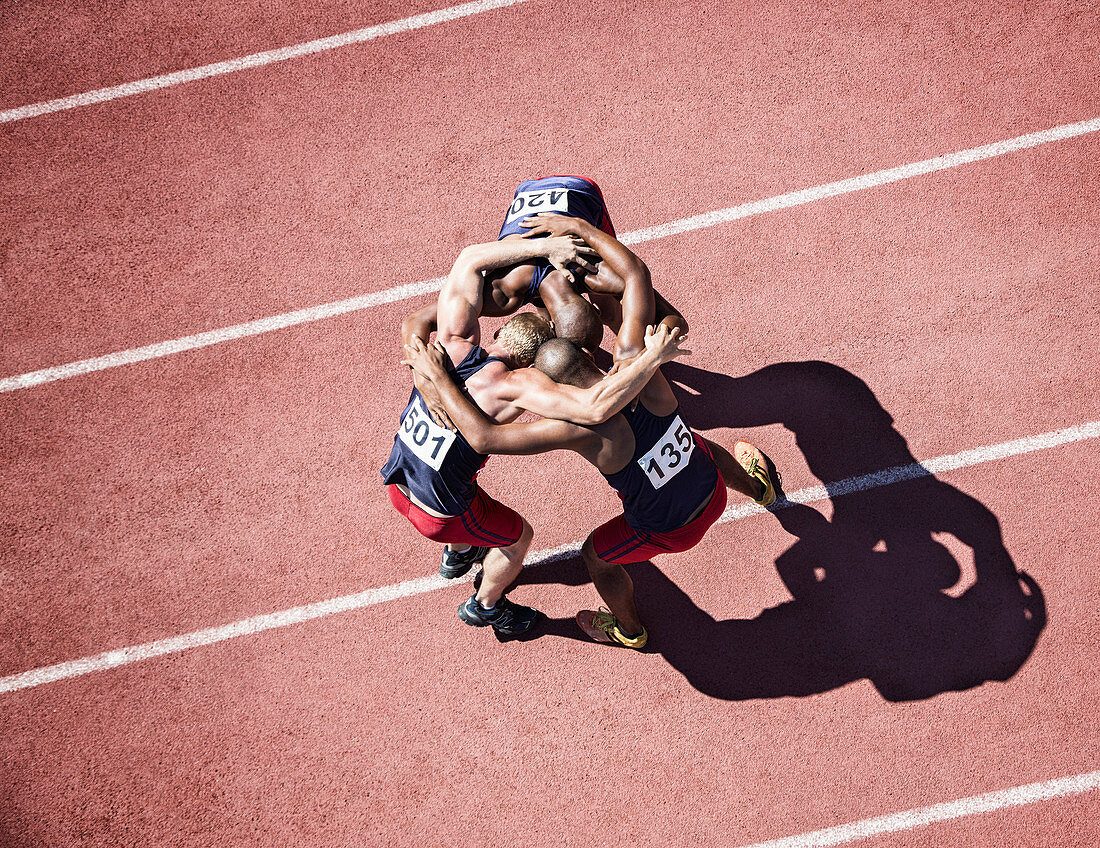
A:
(670, 475)
(577, 197)
(436, 465)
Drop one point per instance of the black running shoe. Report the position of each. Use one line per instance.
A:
(507, 619)
(457, 564)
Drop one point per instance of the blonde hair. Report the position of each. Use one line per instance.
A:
(523, 335)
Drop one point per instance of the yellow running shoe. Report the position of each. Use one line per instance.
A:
(602, 626)
(755, 464)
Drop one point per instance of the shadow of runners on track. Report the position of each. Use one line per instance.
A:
(875, 592)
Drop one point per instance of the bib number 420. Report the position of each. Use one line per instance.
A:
(670, 455)
(532, 202)
(424, 437)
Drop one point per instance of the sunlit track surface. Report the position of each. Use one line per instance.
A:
(256, 60)
(370, 597)
(902, 653)
(709, 219)
(925, 816)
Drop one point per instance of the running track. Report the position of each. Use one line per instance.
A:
(950, 311)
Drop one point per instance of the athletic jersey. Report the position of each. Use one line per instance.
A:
(437, 465)
(669, 476)
(577, 197)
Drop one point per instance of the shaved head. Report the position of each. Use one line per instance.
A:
(578, 321)
(564, 362)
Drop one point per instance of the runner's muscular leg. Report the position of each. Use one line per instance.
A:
(615, 587)
(501, 567)
(733, 474)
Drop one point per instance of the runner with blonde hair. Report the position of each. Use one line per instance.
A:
(523, 335)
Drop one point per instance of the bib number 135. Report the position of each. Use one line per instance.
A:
(424, 437)
(670, 455)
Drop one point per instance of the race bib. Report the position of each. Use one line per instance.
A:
(424, 437)
(670, 455)
(533, 202)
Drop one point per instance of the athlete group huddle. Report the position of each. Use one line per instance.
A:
(556, 251)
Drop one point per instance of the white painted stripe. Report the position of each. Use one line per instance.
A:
(863, 182)
(901, 473)
(710, 219)
(256, 60)
(211, 635)
(212, 337)
(923, 816)
(320, 609)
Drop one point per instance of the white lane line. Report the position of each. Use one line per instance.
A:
(256, 60)
(212, 337)
(923, 816)
(370, 597)
(212, 635)
(864, 181)
(710, 219)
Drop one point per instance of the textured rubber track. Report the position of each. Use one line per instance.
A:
(952, 311)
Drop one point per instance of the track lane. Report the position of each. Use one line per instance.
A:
(547, 557)
(302, 710)
(50, 50)
(195, 212)
(1058, 823)
(217, 482)
(409, 291)
(353, 719)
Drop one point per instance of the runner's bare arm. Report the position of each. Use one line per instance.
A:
(532, 390)
(460, 301)
(484, 435)
(637, 300)
(638, 304)
(420, 325)
(617, 255)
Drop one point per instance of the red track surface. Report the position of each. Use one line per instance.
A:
(204, 488)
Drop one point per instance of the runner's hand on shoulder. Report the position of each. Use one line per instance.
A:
(429, 363)
(552, 224)
(565, 250)
(665, 342)
(427, 360)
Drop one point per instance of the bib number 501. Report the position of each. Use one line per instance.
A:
(424, 437)
(670, 455)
